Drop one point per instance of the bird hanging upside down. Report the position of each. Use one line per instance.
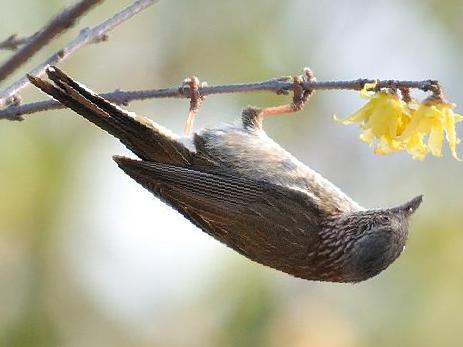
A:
(243, 189)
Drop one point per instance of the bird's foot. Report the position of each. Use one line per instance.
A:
(300, 95)
(193, 85)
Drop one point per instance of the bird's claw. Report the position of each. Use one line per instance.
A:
(196, 99)
(300, 94)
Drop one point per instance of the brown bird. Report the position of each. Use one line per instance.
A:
(243, 189)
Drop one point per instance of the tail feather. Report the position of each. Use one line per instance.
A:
(146, 139)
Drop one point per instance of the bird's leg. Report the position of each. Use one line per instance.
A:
(253, 116)
(196, 100)
(300, 96)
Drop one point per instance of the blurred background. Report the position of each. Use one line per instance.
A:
(89, 258)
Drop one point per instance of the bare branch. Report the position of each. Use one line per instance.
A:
(277, 85)
(57, 25)
(86, 36)
(13, 42)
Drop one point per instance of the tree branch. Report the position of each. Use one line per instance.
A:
(86, 36)
(33, 44)
(277, 85)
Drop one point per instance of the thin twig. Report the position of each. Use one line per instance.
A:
(277, 85)
(86, 36)
(13, 42)
(57, 25)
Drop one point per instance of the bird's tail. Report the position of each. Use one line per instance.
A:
(146, 139)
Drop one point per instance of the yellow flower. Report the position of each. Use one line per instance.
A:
(390, 124)
(383, 119)
(432, 119)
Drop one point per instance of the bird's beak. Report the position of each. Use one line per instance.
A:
(411, 206)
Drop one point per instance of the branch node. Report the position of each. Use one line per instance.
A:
(84, 31)
(13, 42)
(14, 100)
(436, 90)
(361, 83)
(61, 53)
(100, 38)
(405, 92)
(282, 92)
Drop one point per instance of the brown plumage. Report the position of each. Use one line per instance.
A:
(243, 189)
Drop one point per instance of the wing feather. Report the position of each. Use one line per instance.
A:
(145, 138)
(263, 221)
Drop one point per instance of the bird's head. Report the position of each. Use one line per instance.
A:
(378, 238)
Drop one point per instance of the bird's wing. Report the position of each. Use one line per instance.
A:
(146, 139)
(263, 221)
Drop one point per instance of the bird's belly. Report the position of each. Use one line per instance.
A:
(253, 154)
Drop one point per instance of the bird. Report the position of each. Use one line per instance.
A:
(242, 188)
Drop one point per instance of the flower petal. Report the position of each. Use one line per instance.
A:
(436, 138)
(416, 147)
(450, 133)
(367, 136)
